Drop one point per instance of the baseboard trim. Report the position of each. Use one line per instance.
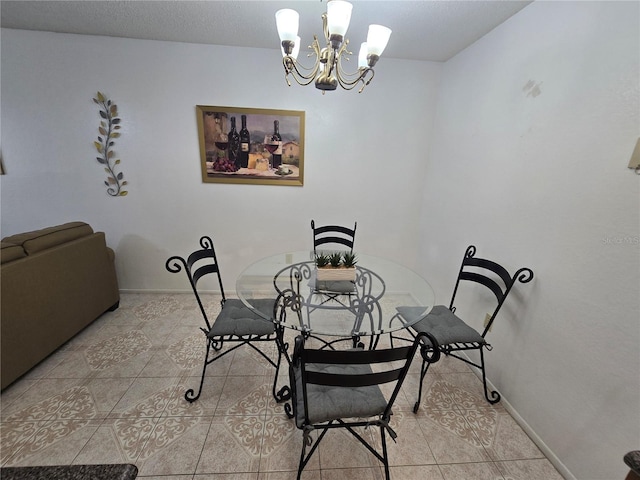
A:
(562, 469)
(555, 461)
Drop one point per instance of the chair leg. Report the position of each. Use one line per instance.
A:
(495, 396)
(190, 395)
(304, 459)
(423, 372)
(384, 453)
(302, 463)
(284, 394)
(275, 377)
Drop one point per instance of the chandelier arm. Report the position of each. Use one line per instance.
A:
(299, 77)
(349, 80)
(325, 27)
(362, 78)
(351, 85)
(348, 84)
(364, 84)
(315, 46)
(293, 67)
(343, 49)
(344, 77)
(299, 70)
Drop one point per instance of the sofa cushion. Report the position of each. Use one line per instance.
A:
(39, 240)
(11, 252)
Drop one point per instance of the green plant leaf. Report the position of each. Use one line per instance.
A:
(98, 146)
(322, 260)
(115, 135)
(123, 193)
(335, 259)
(117, 162)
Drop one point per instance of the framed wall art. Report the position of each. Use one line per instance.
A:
(251, 145)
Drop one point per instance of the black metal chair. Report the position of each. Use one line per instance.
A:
(451, 332)
(235, 323)
(333, 236)
(340, 389)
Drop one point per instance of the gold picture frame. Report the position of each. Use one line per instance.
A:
(264, 159)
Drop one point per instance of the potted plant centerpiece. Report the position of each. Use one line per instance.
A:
(336, 266)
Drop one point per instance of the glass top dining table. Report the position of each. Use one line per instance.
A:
(368, 305)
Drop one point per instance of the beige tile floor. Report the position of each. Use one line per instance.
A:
(114, 394)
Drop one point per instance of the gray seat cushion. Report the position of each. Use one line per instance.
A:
(327, 403)
(343, 287)
(335, 286)
(444, 325)
(237, 319)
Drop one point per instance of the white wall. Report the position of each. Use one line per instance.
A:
(364, 158)
(540, 180)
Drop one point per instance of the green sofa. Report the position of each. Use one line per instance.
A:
(53, 283)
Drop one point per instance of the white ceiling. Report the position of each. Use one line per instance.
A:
(422, 29)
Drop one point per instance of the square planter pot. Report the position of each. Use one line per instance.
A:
(335, 274)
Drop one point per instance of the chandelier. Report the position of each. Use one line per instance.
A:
(327, 71)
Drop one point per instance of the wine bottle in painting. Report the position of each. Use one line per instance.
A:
(277, 155)
(245, 142)
(234, 144)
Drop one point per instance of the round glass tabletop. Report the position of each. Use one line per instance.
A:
(379, 296)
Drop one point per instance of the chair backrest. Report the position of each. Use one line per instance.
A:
(197, 265)
(391, 365)
(490, 274)
(333, 235)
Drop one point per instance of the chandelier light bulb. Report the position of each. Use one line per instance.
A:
(287, 22)
(362, 55)
(377, 39)
(338, 17)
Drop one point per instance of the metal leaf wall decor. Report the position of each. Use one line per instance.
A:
(109, 126)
